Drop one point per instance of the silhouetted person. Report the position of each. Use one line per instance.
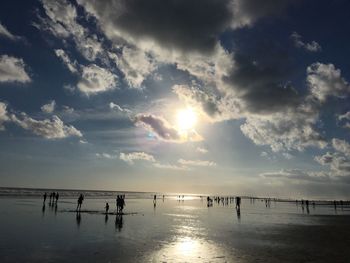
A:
(45, 196)
(50, 198)
(154, 198)
(57, 196)
(238, 202)
(80, 201)
(107, 208)
(53, 196)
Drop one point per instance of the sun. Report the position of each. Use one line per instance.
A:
(186, 119)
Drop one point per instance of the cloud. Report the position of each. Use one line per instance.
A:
(157, 21)
(3, 115)
(106, 155)
(344, 120)
(325, 80)
(7, 34)
(313, 46)
(49, 107)
(201, 150)
(113, 106)
(163, 130)
(13, 70)
(53, 128)
(95, 79)
(341, 146)
(285, 131)
(196, 162)
(72, 66)
(135, 64)
(61, 20)
(133, 156)
(171, 167)
(297, 175)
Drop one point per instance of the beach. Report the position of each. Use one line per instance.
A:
(171, 230)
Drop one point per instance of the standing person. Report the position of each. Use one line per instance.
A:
(117, 201)
(238, 203)
(45, 196)
(107, 208)
(80, 201)
(57, 196)
(122, 203)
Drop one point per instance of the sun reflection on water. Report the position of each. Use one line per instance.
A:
(188, 249)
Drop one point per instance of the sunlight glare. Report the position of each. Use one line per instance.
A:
(186, 119)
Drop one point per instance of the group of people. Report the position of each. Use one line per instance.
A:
(224, 200)
(120, 202)
(53, 197)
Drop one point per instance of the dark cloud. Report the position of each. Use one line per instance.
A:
(181, 24)
(158, 125)
(260, 78)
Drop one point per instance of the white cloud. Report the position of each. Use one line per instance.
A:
(3, 115)
(49, 107)
(325, 80)
(72, 66)
(53, 128)
(113, 106)
(297, 175)
(313, 46)
(341, 146)
(171, 167)
(106, 156)
(133, 156)
(95, 79)
(13, 70)
(5, 33)
(61, 21)
(135, 64)
(201, 150)
(196, 162)
(285, 131)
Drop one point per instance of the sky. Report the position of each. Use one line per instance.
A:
(243, 97)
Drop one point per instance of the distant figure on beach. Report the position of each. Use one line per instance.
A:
(57, 196)
(107, 207)
(120, 203)
(154, 199)
(45, 196)
(80, 202)
(238, 203)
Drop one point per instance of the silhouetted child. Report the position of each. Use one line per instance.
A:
(45, 196)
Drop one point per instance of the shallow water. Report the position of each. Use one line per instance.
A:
(172, 231)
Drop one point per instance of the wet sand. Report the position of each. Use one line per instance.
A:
(172, 231)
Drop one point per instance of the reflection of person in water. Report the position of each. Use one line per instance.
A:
(45, 196)
(119, 222)
(78, 218)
